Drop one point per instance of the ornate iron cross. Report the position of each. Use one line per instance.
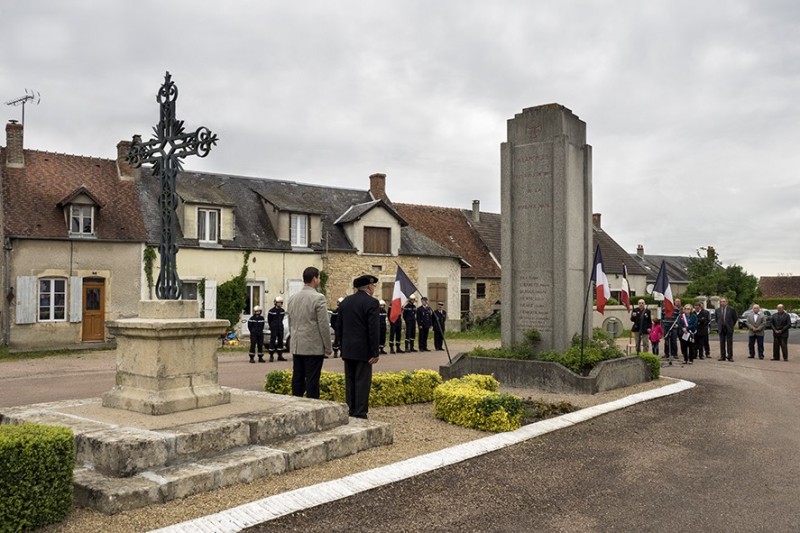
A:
(165, 152)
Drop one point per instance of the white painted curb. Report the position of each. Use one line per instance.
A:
(258, 512)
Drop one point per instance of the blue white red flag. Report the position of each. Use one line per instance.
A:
(403, 289)
(600, 281)
(662, 287)
(625, 292)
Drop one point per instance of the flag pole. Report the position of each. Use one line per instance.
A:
(583, 324)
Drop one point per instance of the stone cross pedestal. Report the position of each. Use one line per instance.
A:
(166, 359)
(546, 217)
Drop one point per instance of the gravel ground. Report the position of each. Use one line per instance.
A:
(416, 432)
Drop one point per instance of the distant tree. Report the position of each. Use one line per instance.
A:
(708, 276)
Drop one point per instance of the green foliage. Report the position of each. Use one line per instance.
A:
(538, 409)
(472, 401)
(201, 296)
(388, 388)
(149, 258)
(709, 277)
(653, 362)
(36, 464)
(789, 304)
(231, 295)
(323, 282)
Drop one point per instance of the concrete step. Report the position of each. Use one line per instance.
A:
(111, 495)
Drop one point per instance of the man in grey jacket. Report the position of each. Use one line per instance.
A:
(310, 335)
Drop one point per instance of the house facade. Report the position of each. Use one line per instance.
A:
(73, 238)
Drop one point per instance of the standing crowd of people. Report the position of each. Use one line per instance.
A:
(686, 328)
(359, 325)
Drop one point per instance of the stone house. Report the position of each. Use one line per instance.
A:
(677, 269)
(457, 230)
(287, 226)
(73, 237)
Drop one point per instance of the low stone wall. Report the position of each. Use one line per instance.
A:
(551, 377)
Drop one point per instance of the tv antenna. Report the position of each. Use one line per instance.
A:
(30, 96)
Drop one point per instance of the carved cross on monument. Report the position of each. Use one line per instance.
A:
(165, 152)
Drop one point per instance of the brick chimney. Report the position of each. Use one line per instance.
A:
(476, 211)
(124, 169)
(596, 220)
(15, 158)
(640, 250)
(377, 186)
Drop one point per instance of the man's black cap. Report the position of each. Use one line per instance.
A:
(363, 281)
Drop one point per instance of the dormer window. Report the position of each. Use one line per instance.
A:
(208, 225)
(80, 213)
(81, 221)
(298, 232)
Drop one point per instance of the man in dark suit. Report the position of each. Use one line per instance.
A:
(359, 329)
(726, 319)
(781, 322)
(701, 337)
(642, 322)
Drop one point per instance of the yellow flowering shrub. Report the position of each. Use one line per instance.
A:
(473, 402)
(388, 388)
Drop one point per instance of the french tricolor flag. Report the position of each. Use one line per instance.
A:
(403, 289)
(662, 287)
(625, 291)
(600, 281)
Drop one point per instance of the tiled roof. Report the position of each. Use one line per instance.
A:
(355, 212)
(779, 286)
(32, 195)
(677, 266)
(451, 229)
(488, 228)
(253, 227)
(614, 256)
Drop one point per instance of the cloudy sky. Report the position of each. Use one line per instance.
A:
(691, 106)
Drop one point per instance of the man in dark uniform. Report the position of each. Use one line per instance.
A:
(255, 325)
(395, 335)
(382, 334)
(337, 341)
(424, 324)
(275, 323)
(359, 328)
(701, 337)
(439, 318)
(642, 322)
(410, 318)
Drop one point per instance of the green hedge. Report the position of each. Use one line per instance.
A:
(388, 388)
(36, 464)
(473, 402)
(789, 304)
(654, 363)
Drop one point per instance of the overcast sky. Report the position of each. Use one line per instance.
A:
(691, 106)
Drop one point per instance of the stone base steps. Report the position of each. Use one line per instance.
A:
(126, 460)
(114, 494)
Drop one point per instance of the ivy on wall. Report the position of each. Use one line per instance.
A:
(231, 294)
(149, 258)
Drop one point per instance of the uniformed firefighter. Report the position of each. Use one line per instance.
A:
(255, 325)
(337, 342)
(424, 324)
(275, 323)
(382, 324)
(410, 318)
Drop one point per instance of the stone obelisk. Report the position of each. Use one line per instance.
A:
(546, 216)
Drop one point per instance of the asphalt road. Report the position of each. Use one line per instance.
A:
(90, 374)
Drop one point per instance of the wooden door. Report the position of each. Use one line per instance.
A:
(93, 311)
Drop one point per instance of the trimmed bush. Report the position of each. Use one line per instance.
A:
(472, 401)
(653, 362)
(36, 464)
(388, 388)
